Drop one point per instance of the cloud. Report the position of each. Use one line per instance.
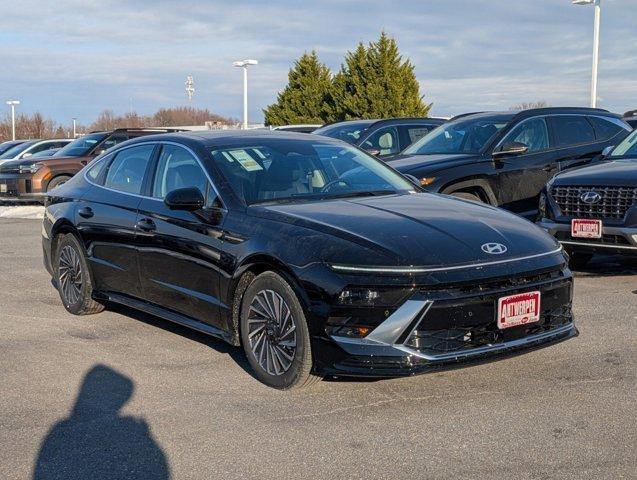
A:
(75, 58)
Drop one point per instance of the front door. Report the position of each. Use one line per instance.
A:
(521, 177)
(180, 251)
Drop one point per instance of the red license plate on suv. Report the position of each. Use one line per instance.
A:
(518, 309)
(581, 228)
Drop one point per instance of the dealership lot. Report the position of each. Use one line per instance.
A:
(567, 411)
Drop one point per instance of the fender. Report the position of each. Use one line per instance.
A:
(475, 182)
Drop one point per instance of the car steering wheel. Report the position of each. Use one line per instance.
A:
(339, 181)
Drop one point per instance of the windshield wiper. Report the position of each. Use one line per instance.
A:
(360, 193)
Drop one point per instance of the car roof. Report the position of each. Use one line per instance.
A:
(379, 121)
(533, 112)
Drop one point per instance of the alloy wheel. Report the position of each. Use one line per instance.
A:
(272, 332)
(70, 275)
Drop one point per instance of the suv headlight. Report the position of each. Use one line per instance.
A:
(32, 168)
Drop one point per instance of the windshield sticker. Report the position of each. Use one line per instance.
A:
(245, 160)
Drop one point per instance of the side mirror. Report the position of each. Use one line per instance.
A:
(511, 148)
(188, 199)
(412, 179)
(607, 150)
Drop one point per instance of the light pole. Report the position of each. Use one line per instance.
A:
(74, 134)
(13, 103)
(598, 11)
(244, 64)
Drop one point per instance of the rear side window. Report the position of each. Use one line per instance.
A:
(126, 172)
(415, 132)
(95, 170)
(572, 130)
(605, 129)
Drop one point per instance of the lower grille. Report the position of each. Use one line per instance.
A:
(605, 240)
(613, 203)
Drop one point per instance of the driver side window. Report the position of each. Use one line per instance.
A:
(384, 140)
(177, 168)
(533, 133)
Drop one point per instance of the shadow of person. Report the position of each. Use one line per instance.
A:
(97, 442)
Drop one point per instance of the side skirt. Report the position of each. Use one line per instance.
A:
(167, 315)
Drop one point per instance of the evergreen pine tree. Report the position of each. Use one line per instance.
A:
(304, 99)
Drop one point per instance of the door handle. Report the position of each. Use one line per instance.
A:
(86, 212)
(146, 225)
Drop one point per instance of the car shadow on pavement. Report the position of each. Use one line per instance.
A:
(96, 441)
(608, 266)
(236, 353)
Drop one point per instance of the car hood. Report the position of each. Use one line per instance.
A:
(621, 173)
(430, 163)
(416, 229)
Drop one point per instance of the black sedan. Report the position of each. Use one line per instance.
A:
(381, 138)
(315, 257)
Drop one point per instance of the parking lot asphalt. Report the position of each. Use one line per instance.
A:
(126, 395)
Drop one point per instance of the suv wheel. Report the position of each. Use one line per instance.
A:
(73, 277)
(57, 181)
(274, 334)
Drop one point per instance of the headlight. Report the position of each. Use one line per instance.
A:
(34, 167)
(371, 297)
(425, 181)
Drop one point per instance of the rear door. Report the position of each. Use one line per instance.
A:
(106, 217)
(520, 178)
(574, 140)
(179, 251)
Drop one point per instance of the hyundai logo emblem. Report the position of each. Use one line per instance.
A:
(590, 197)
(494, 248)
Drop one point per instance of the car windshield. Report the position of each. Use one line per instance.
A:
(81, 146)
(627, 148)
(45, 153)
(17, 150)
(10, 144)
(467, 135)
(350, 132)
(274, 170)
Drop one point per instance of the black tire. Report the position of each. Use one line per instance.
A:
(268, 337)
(57, 181)
(73, 277)
(467, 196)
(579, 260)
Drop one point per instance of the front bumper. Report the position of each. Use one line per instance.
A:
(451, 326)
(615, 239)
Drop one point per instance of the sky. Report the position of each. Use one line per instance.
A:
(75, 58)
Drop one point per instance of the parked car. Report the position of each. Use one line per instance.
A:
(315, 256)
(301, 128)
(45, 153)
(4, 146)
(594, 209)
(27, 179)
(381, 137)
(505, 159)
(631, 118)
(27, 148)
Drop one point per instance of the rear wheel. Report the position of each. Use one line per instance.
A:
(274, 334)
(467, 196)
(57, 181)
(73, 277)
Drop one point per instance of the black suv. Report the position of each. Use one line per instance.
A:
(631, 118)
(381, 137)
(594, 209)
(506, 158)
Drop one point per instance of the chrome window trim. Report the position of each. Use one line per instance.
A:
(157, 142)
(399, 270)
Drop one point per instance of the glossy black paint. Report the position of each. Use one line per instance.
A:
(187, 266)
(513, 181)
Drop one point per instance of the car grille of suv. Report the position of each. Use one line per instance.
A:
(614, 203)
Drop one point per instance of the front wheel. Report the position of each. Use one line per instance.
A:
(57, 181)
(275, 335)
(73, 277)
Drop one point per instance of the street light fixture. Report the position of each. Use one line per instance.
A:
(598, 11)
(13, 103)
(244, 64)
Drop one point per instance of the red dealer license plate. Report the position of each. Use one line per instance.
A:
(586, 228)
(518, 309)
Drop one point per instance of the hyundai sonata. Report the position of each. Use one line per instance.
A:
(312, 255)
